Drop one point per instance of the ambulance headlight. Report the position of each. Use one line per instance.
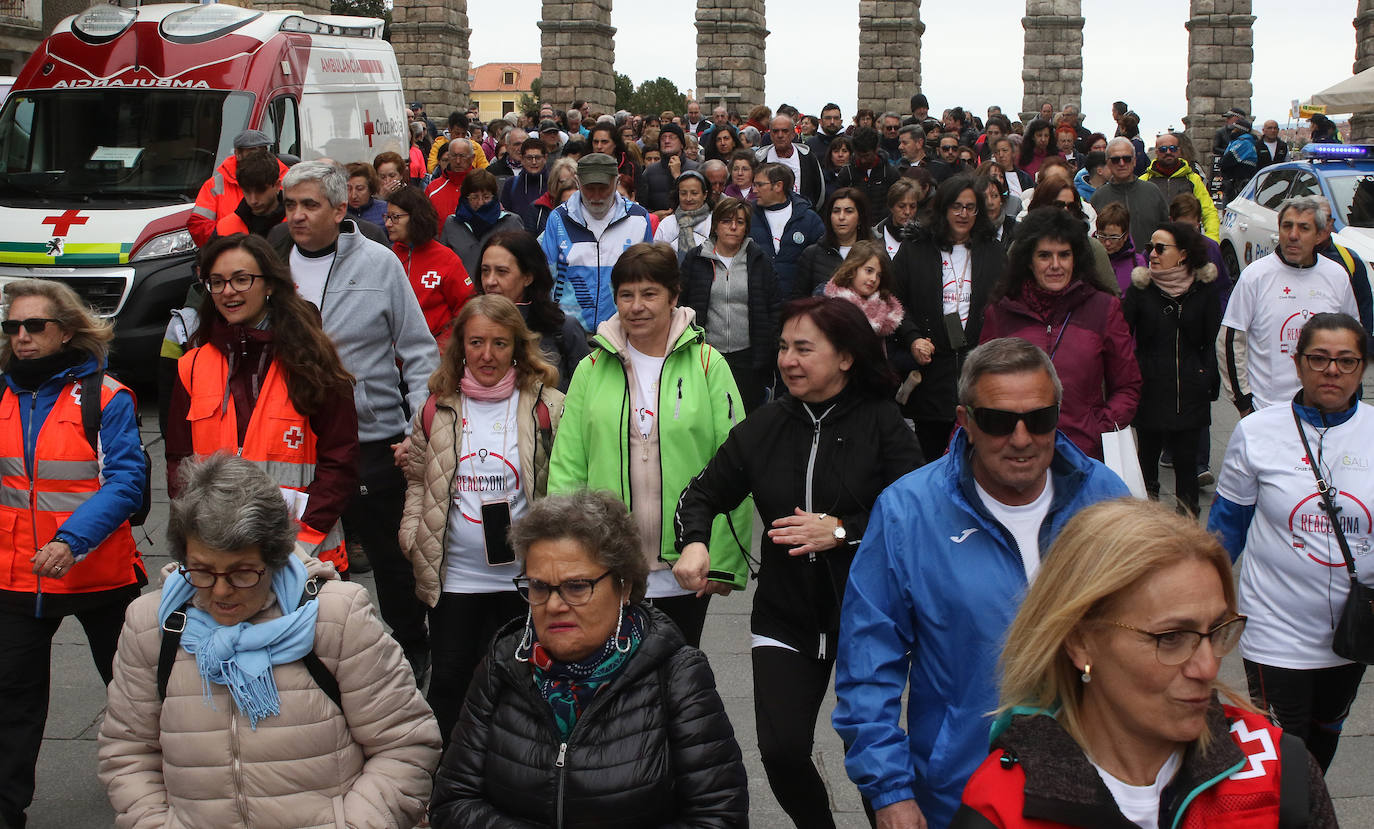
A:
(207, 22)
(168, 244)
(103, 23)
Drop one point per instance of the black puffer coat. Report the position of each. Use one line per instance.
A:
(654, 748)
(814, 268)
(1174, 344)
(835, 461)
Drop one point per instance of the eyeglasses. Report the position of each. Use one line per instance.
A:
(1111, 237)
(396, 217)
(33, 325)
(1121, 159)
(572, 591)
(889, 127)
(238, 579)
(963, 209)
(1320, 362)
(240, 281)
(1000, 423)
(1167, 148)
(1158, 247)
(533, 157)
(1174, 647)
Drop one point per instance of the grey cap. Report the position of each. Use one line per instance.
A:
(549, 125)
(597, 168)
(251, 138)
(1236, 111)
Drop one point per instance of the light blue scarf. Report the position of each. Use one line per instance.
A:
(240, 657)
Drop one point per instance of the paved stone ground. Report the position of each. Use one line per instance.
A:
(69, 796)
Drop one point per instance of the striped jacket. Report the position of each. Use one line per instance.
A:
(581, 261)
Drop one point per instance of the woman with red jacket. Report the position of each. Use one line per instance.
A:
(1111, 713)
(1049, 297)
(436, 274)
(261, 380)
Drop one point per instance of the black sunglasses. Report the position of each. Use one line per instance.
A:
(1000, 423)
(1159, 247)
(33, 325)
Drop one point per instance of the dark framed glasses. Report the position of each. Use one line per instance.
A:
(572, 591)
(1174, 647)
(1159, 247)
(1122, 159)
(33, 325)
(1167, 149)
(1000, 423)
(1321, 362)
(238, 579)
(239, 281)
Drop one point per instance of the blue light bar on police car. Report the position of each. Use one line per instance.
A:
(1338, 150)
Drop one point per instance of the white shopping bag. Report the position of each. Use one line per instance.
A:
(1119, 453)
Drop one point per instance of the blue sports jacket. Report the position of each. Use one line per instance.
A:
(581, 263)
(931, 593)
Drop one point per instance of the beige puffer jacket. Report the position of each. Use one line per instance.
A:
(183, 763)
(430, 468)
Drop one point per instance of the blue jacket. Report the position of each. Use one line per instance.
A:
(931, 593)
(581, 263)
(121, 466)
(804, 229)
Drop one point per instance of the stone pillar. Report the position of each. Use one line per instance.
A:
(1220, 56)
(731, 37)
(890, 55)
(1362, 126)
(307, 6)
(1052, 68)
(578, 49)
(431, 42)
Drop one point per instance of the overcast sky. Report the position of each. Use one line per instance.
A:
(971, 52)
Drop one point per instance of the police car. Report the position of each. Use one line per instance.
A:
(1342, 173)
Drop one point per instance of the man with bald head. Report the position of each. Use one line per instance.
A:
(1272, 149)
(1148, 208)
(796, 156)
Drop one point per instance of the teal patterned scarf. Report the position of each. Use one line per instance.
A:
(568, 687)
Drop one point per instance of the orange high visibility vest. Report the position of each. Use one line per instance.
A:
(34, 503)
(279, 438)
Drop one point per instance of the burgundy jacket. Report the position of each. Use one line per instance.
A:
(1092, 349)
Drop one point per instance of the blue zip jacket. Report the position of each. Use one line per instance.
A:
(802, 230)
(932, 591)
(581, 263)
(121, 463)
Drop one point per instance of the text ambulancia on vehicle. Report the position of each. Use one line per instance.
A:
(122, 113)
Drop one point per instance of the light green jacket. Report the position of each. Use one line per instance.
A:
(698, 404)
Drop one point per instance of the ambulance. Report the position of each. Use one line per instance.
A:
(122, 113)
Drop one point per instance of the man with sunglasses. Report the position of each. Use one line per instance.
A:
(958, 539)
(1272, 299)
(1172, 175)
(1149, 209)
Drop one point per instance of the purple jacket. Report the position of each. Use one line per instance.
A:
(1092, 347)
(1126, 260)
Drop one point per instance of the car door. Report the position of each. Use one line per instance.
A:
(1257, 219)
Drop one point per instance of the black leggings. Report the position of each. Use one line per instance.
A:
(687, 612)
(1183, 444)
(461, 626)
(1310, 704)
(788, 691)
(933, 436)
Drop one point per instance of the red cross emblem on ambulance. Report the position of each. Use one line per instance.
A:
(430, 280)
(293, 437)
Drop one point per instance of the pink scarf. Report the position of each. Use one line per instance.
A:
(474, 390)
(1173, 281)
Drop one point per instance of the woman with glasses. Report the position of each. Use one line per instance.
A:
(436, 274)
(846, 217)
(74, 474)
(591, 710)
(1173, 308)
(478, 456)
(257, 689)
(1114, 232)
(944, 277)
(1111, 712)
(1051, 297)
(479, 216)
(262, 380)
(1293, 582)
(815, 461)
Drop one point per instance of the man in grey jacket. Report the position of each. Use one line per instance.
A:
(371, 314)
(1148, 208)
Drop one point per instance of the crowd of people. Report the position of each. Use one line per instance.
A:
(562, 363)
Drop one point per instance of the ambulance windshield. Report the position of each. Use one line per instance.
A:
(155, 145)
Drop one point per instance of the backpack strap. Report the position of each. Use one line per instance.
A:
(427, 415)
(90, 407)
(176, 623)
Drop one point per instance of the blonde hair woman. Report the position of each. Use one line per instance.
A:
(1110, 704)
(478, 455)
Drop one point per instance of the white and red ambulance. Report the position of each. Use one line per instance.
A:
(122, 113)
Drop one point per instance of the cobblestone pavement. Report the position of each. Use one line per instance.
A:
(70, 797)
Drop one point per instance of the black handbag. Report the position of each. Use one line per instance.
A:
(1353, 638)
